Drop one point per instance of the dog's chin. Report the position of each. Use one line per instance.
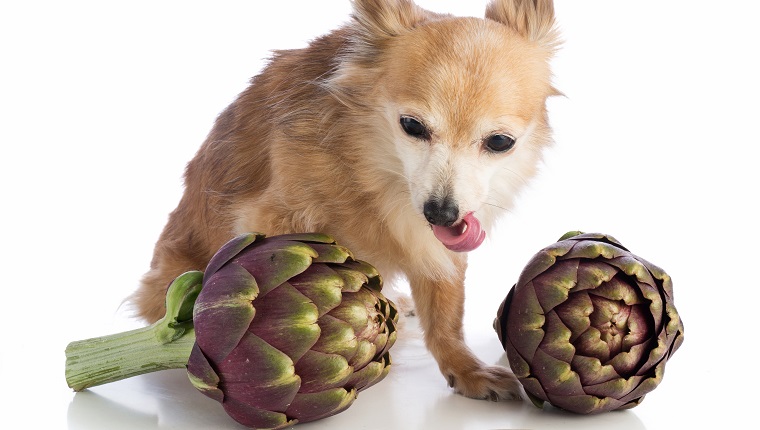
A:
(464, 236)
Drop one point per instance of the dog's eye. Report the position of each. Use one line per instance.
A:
(500, 143)
(414, 128)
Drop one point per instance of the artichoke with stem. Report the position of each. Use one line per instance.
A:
(589, 326)
(280, 330)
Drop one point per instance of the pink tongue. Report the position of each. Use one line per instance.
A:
(455, 239)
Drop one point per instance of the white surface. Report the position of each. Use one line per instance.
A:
(103, 103)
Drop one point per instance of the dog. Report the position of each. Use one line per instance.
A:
(403, 134)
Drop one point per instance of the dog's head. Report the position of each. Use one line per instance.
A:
(462, 102)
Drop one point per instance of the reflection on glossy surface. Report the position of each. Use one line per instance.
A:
(413, 396)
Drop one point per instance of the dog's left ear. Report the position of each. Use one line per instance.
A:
(381, 19)
(533, 19)
(374, 23)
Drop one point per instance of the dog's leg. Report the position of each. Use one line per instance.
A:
(182, 246)
(150, 297)
(168, 263)
(440, 307)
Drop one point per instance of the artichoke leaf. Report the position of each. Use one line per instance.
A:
(322, 285)
(338, 338)
(321, 371)
(202, 375)
(255, 417)
(553, 286)
(592, 371)
(585, 404)
(556, 341)
(367, 376)
(593, 273)
(353, 279)
(374, 279)
(274, 261)
(331, 253)
(287, 320)
(535, 391)
(315, 406)
(259, 374)
(556, 376)
(229, 250)
(575, 313)
(224, 306)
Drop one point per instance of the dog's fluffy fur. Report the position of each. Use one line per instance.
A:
(315, 144)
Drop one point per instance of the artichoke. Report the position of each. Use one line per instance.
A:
(280, 330)
(289, 329)
(589, 326)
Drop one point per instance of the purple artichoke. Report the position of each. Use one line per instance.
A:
(279, 330)
(289, 329)
(589, 326)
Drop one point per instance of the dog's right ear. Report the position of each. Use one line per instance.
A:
(381, 19)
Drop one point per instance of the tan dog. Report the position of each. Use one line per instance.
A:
(402, 134)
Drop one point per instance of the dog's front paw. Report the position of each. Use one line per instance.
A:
(488, 382)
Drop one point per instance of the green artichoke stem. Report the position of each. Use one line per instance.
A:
(166, 344)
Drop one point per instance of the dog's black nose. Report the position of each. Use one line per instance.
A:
(443, 213)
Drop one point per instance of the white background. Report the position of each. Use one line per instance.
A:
(103, 103)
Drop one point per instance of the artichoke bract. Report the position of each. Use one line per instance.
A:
(289, 329)
(589, 326)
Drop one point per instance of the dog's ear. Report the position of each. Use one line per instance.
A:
(534, 19)
(380, 19)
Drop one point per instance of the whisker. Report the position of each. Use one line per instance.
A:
(493, 205)
(395, 172)
(395, 206)
(514, 174)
